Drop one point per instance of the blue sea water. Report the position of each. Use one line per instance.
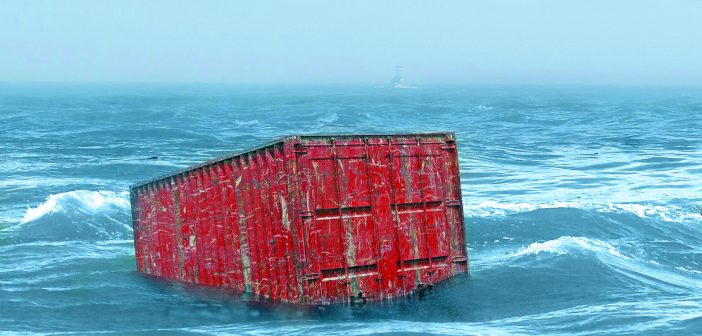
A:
(583, 206)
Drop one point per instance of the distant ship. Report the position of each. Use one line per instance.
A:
(398, 82)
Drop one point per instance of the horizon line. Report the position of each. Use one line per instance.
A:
(356, 84)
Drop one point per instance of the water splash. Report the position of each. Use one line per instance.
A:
(83, 200)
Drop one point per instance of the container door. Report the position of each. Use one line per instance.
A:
(374, 214)
(417, 187)
(340, 231)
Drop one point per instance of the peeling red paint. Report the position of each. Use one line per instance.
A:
(309, 219)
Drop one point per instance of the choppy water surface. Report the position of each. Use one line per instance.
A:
(583, 206)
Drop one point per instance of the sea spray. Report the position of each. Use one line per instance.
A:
(80, 200)
(76, 215)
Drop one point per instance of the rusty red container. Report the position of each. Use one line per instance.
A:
(309, 219)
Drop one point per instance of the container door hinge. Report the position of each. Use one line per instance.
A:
(459, 259)
(305, 214)
(310, 276)
(300, 150)
(448, 146)
(452, 203)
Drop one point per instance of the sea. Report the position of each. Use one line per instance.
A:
(583, 206)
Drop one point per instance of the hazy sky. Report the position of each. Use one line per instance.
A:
(472, 42)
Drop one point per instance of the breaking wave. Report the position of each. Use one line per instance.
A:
(78, 200)
(79, 215)
(565, 245)
(568, 245)
(612, 257)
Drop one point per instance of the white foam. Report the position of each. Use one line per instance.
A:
(568, 245)
(86, 200)
(492, 208)
(565, 245)
(670, 214)
(328, 119)
(246, 123)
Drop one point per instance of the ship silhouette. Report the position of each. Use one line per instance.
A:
(398, 82)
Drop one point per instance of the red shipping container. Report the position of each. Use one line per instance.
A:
(309, 219)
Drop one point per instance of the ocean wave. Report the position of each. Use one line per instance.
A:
(56, 253)
(565, 245)
(83, 200)
(328, 119)
(495, 209)
(568, 245)
(361, 328)
(247, 123)
(76, 215)
(43, 182)
(665, 213)
(668, 214)
(635, 267)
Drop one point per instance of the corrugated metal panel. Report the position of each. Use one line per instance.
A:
(309, 219)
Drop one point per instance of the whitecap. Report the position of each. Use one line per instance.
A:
(568, 245)
(669, 214)
(646, 271)
(492, 208)
(328, 119)
(246, 123)
(85, 200)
